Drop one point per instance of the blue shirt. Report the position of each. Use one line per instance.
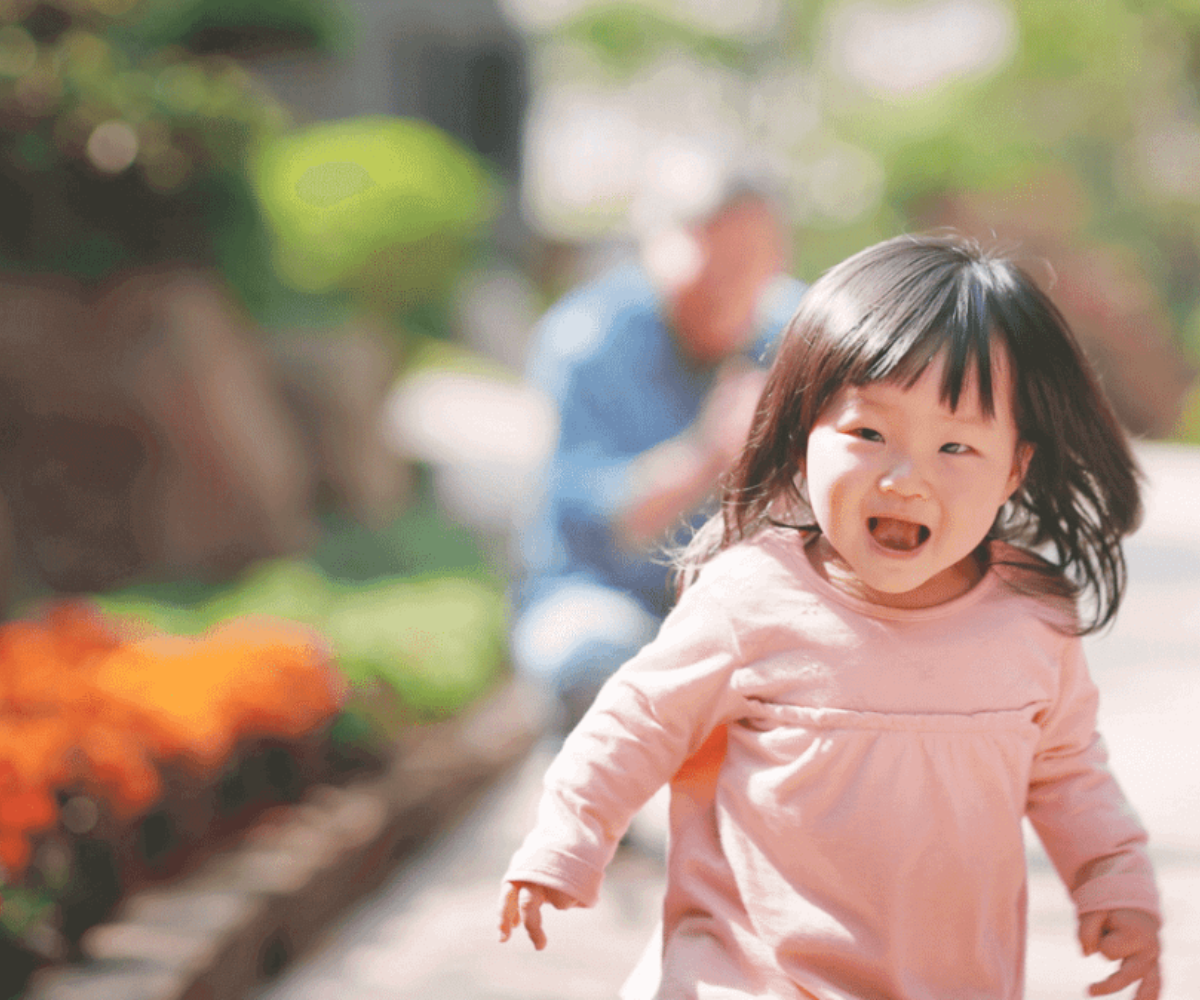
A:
(607, 359)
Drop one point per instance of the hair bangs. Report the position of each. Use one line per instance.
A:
(941, 313)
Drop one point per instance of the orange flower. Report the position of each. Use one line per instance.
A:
(27, 810)
(24, 809)
(36, 750)
(15, 852)
(30, 669)
(173, 698)
(287, 684)
(116, 763)
(82, 703)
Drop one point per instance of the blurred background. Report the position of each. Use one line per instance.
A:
(269, 269)
(235, 234)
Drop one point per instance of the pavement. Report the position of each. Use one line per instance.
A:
(430, 931)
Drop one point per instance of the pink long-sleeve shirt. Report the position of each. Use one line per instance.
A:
(848, 784)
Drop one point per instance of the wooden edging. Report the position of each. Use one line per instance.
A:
(242, 916)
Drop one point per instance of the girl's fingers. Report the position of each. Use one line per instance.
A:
(1151, 986)
(1123, 942)
(522, 902)
(1091, 925)
(510, 916)
(1143, 967)
(530, 902)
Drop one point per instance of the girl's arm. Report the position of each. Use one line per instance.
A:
(651, 716)
(1092, 835)
(1090, 831)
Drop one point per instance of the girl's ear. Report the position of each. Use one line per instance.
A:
(1021, 459)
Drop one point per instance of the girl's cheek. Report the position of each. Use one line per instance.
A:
(850, 460)
(828, 449)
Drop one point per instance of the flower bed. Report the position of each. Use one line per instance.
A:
(224, 928)
(121, 751)
(130, 754)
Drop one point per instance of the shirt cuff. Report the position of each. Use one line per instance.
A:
(568, 874)
(1116, 892)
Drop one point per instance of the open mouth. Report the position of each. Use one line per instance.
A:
(897, 535)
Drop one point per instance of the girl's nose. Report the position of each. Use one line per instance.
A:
(904, 479)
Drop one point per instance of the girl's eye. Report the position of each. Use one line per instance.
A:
(955, 448)
(868, 434)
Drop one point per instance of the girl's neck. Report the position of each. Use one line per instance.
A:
(946, 586)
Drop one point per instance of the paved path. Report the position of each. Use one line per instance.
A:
(430, 932)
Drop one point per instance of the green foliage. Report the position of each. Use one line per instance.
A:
(1098, 42)
(419, 544)
(627, 36)
(436, 642)
(121, 147)
(1079, 97)
(413, 609)
(23, 909)
(1068, 98)
(386, 208)
(244, 25)
(240, 246)
(109, 156)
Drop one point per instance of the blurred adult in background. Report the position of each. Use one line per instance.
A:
(655, 367)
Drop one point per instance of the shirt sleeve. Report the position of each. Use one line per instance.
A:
(649, 718)
(1089, 830)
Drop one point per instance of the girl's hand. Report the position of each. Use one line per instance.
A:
(521, 903)
(1130, 936)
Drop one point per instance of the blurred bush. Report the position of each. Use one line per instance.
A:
(385, 208)
(245, 27)
(413, 610)
(115, 156)
(413, 649)
(129, 136)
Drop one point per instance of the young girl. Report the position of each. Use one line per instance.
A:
(874, 671)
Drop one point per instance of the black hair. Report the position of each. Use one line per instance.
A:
(884, 315)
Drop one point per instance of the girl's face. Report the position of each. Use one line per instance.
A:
(904, 489)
